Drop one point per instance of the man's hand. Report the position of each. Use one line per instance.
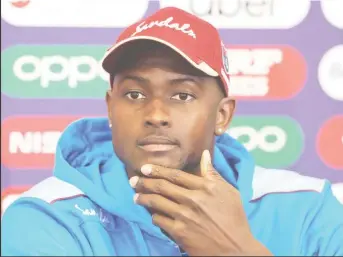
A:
(203, 214)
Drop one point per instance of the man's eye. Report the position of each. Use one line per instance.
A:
(134, 95)
(183, 97)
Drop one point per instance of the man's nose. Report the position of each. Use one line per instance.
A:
(157, 115)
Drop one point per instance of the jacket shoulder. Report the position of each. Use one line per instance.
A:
(55, 198)
(280, 181)
(33, 227)
(52, 190)
(304, 204)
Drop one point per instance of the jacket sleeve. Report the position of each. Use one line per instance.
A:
(29, 231)
(324, 235)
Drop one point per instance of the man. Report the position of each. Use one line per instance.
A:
(160, 176)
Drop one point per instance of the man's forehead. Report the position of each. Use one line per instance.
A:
(152, 75)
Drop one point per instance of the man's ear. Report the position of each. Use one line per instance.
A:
(226, 109)
(108, 103)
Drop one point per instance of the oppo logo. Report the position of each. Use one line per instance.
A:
(273, 141)
(58, 71)
(267, 139)
(57, 68)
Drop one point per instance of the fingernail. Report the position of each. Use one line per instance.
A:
(135, 197)
(146, 169)
(133, 181)
(208, 157)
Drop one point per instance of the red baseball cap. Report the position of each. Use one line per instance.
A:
(193, 38)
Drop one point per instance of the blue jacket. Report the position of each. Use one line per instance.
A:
(87, 208)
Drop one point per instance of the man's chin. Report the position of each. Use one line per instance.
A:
(165, 162)
(170, 162)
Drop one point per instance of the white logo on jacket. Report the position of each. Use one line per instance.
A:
(86, 212)
(103, 217)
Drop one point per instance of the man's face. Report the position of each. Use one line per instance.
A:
(163, 111)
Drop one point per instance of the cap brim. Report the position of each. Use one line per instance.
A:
(109, 60)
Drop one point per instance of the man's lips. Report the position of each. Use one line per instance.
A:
(157, 144)
(157, 147)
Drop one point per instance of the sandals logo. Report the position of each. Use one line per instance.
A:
(274, 141)
(65, 71)
(168, 23)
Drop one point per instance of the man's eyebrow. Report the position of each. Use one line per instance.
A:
(137, 79)
(194, 80)
(174, 81)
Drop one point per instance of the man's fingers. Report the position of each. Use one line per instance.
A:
(161, 187)
(174, 228)
(165, 223)
(174, 176)
(161, 205)
(158, 203)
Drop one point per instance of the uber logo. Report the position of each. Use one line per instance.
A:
(233, 7)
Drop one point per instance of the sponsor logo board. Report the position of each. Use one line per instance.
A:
(60, 71)
(266, 72)
(330, 72)
(330, 142)
(246, 14)
(29, 142)
(273, 141)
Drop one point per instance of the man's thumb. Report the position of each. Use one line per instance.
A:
(206, 164)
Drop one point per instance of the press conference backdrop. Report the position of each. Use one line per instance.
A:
(286, 65)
